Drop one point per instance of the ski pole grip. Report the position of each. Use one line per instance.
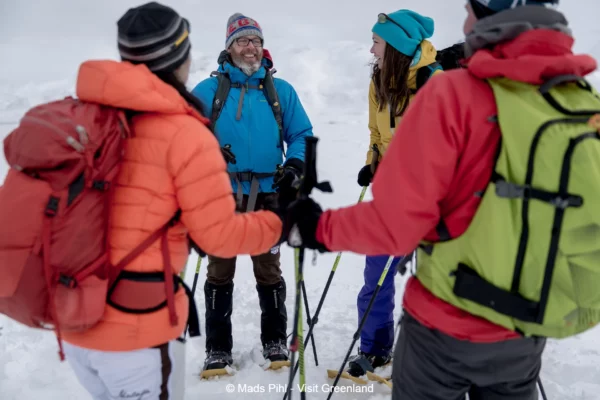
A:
(310, 167)
(374, 158)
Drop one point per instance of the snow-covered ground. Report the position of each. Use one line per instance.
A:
(322, 48)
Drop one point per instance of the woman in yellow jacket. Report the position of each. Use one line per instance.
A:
(403, 58)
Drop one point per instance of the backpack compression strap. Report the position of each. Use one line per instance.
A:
(273, 99)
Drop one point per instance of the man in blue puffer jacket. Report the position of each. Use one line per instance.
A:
(261, 175)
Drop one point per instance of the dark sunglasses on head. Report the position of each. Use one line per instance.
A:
(383, 18)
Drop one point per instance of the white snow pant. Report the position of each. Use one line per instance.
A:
(148, 374)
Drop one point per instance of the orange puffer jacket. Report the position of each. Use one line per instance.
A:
(172, 162)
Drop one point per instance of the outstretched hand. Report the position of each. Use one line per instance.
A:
(302, 218)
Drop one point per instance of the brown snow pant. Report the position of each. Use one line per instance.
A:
(267, 267)
(429, 365)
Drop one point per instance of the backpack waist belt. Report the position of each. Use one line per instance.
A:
(144, 293)
(248, 177)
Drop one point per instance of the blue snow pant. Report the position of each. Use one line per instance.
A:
(377, 336)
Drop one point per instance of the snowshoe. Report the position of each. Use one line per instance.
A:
(332, 373)
(217, 363)
(277, 354)
(378, 378)
(362, 363)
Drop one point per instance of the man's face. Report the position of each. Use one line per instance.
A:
(247, 53)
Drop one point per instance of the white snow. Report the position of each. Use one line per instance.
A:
(322, 48)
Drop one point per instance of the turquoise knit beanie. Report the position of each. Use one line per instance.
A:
(407, 37)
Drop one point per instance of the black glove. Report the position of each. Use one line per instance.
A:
(285, 179)
(304, 214)
(365, 176)
(285, 176)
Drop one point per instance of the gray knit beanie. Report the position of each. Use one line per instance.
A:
(239, 25)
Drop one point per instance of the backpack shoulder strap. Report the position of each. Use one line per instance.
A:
(223, 86)
(273, 99)
(424, 73)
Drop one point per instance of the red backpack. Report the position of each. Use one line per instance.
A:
(54, 209)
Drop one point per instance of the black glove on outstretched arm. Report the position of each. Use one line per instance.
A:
(305, 214)
(365, 176)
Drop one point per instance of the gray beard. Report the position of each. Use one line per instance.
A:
(247, 68)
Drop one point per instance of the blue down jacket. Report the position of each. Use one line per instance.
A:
(253, 133)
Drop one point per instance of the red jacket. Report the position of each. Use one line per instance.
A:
(441, 154)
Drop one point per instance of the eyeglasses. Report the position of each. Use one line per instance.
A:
(244, 42)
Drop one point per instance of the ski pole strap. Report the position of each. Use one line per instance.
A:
(310, 181)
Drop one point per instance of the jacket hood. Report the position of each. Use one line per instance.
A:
(134, 87)
(527, 44)
(425, 55)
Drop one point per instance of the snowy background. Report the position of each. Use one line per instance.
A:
(322, 48)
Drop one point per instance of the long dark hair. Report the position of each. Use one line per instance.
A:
(170, 79)
(391, 81)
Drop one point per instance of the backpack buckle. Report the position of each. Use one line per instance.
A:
(512, 190)
(100, 185)
(52, 206)
(68, 281)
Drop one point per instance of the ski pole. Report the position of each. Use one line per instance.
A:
(309, 322)
(196, 274)
(194, 286)
(313, 321)
(296, 342)
(307, 184)
(300, 341)
(315, 318)
(539, 381)
(364, 318)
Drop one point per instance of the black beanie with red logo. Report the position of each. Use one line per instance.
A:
(485, 8)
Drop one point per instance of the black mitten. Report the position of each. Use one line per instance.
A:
(305, 214)
(365, 176)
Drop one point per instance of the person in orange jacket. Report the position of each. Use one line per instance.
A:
(173, 161)
(426, 189)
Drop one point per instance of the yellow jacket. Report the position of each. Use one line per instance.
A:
(379, 121)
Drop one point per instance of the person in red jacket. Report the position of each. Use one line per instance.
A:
(442, 154)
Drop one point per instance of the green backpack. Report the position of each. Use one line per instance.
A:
(530, 259)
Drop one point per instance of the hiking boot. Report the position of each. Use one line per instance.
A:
(358, 365)
(217, 359)
(273, 319)
(276, 351)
